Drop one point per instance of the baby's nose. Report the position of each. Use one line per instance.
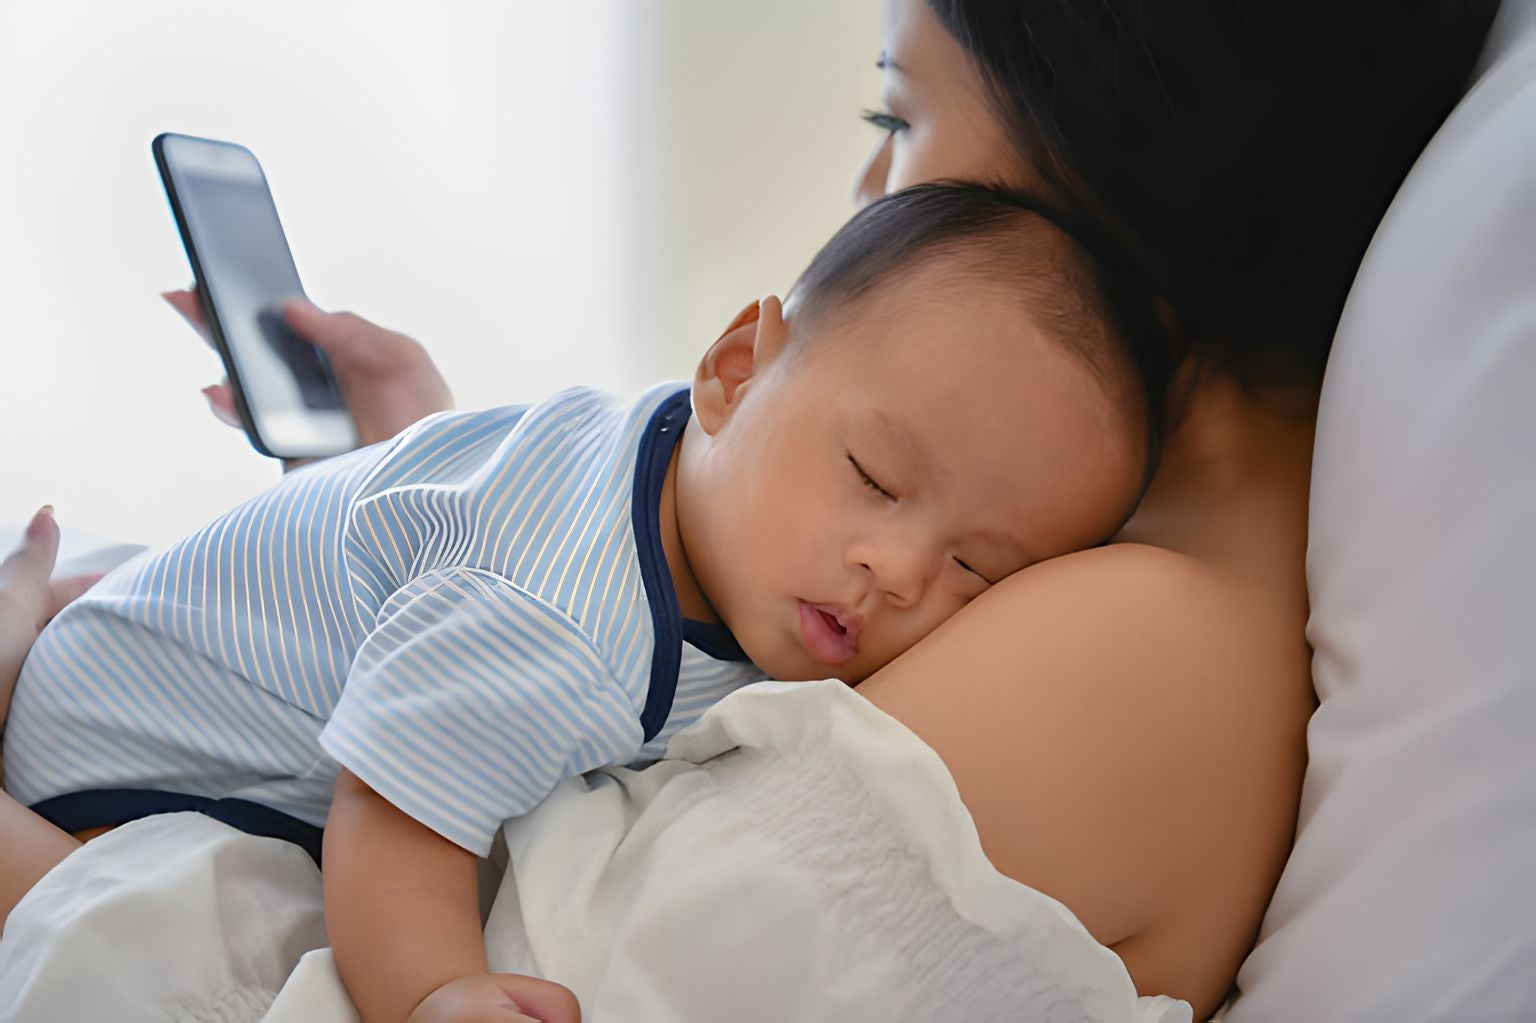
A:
(902, 572)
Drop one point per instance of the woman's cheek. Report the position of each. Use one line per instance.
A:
(907, 166)
(870, 184)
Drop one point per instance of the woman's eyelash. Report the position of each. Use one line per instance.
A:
(884, 121)
(869, 480)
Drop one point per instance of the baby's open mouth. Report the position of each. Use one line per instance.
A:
(825, 634)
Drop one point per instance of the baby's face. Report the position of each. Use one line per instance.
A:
(867, 486)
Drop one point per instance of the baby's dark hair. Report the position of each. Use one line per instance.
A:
(1072, 283)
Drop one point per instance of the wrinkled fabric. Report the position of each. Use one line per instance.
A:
(799, 855)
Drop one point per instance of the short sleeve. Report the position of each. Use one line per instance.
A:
(471, 699)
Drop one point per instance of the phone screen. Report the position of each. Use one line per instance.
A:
(246, 270)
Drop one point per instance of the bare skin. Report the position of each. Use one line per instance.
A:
(32, 846)
(28, 601)
(1146, 701)
(1127, 724)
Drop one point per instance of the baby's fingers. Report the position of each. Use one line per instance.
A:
(543, 1000)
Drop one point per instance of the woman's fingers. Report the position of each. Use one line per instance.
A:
(63, 591)
(387, 380)
(353, 343)
(26, 592)
(186, 303)
(24, 599)
(25, 570)
(221, 402)
(337, 334)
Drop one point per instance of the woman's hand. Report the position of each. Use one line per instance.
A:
(387, 380)
(28, 600)
(498, 998)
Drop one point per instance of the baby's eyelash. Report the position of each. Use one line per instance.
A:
(869, 480)
(884, 121)
(971, 570)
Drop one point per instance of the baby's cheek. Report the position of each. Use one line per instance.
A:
(940, 608)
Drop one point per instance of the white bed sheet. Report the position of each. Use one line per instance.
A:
(799, 855)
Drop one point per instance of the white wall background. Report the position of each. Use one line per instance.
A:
(543, 193)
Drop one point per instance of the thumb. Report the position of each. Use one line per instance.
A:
(32, 560)
(335, 334)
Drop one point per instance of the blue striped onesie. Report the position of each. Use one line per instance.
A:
(462, 617)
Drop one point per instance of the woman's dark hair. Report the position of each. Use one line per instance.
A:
(1073, 284)
(1243, 150)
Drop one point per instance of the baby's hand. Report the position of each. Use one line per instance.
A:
(498, 998)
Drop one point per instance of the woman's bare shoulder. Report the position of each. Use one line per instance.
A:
(1102, 714)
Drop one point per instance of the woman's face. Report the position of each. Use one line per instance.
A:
(936, 118)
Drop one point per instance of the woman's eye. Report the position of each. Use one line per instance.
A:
(971, 570)
(869, 480)
(886, 122)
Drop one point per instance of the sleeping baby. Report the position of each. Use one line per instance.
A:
(414, 642)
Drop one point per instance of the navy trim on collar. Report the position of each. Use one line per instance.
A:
(657, 443)
(715, 640)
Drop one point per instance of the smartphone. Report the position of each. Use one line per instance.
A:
(285, 391)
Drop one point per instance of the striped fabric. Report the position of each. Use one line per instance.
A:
(461, 617)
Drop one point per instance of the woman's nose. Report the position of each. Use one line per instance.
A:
(869, 183)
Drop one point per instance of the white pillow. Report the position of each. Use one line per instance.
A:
(1411, 893)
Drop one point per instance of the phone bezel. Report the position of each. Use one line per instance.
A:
(329, 433)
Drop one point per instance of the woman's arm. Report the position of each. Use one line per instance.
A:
(1126, 744)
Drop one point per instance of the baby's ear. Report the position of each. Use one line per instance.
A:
(752, 341)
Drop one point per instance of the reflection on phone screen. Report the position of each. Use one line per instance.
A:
(248, 271)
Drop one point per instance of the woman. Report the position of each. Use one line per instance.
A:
(1126, 725)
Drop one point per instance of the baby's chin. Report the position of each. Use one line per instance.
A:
(807, 669)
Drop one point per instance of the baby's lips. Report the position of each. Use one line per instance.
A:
(823, 634)
(852, 625)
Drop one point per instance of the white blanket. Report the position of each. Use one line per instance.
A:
(798, 856)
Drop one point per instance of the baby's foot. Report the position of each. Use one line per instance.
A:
(28, 600)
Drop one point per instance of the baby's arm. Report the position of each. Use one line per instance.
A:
(402, 909)
(401, 904)
(467, 685)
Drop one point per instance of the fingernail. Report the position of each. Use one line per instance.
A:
(35, 527)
